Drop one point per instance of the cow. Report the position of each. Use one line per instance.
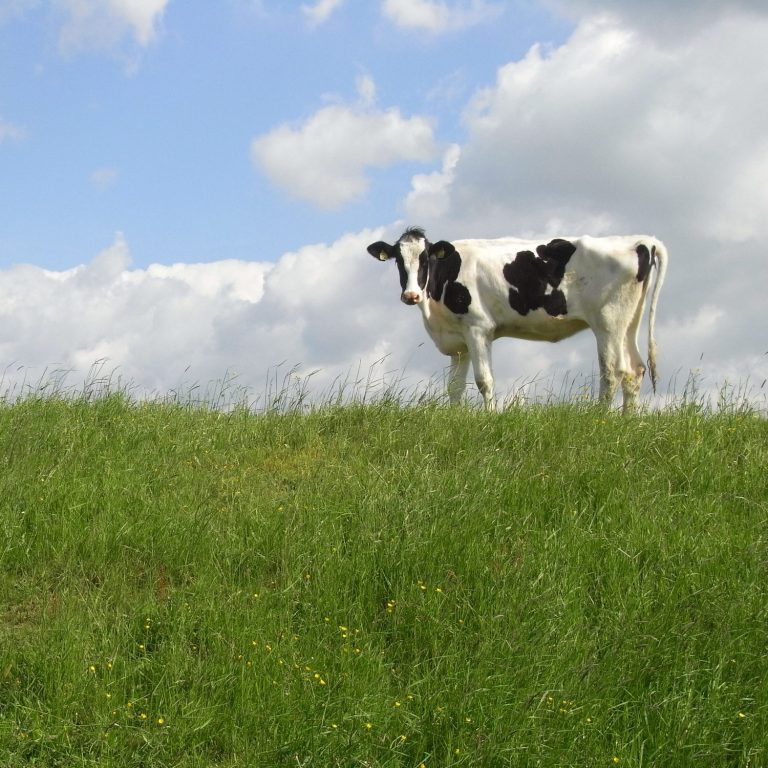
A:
(472, 292)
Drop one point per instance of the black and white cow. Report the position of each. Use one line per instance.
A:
(473, 291)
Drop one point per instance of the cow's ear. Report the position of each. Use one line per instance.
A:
(381, 250)
(441, 249)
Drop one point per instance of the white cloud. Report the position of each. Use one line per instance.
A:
(321, 11)
(613, 128)
(324, 307)
(616, 132)
(324, 159)
(230, 279)
(429, 198)
(742, 215)
(366, 90)
(660, 18)
(437, 16)
(105, 24)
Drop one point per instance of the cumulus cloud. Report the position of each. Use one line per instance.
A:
(167, 325)
(429, 198)
(105, 24)
(610, 127)
(659, 17)
(616, 131)
(324, 159)
(151, 323)
(436, 16)
(321, 10)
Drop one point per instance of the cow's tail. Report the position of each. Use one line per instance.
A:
(659, 260)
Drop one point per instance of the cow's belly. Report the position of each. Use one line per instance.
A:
(540, 326)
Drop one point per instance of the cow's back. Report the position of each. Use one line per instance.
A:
(548, 288)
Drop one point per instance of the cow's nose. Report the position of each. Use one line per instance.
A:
(411, 297)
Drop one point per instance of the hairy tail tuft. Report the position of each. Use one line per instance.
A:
(660, 259)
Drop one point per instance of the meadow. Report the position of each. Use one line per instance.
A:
(381, 585)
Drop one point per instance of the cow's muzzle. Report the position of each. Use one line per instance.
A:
(410, 298)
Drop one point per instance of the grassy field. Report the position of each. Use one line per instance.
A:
(381, 586)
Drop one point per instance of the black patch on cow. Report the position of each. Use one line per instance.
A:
(527, 275)
(443, 285)
(556, 254)
(535, 278)
(401, 270)
(457, 298)
(645, 260)
(423, 270)
(441, 271)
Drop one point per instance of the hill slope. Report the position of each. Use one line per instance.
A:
(381, 586)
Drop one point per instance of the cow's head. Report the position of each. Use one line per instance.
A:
(411, 253)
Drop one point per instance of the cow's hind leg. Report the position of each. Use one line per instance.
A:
(620, 363)
(610, 358)
(634, 366)
(633, 371)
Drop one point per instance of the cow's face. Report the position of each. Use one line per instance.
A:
(410, 254)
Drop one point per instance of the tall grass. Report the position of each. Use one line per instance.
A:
(380, 585)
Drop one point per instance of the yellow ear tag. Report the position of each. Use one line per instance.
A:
(383, 256)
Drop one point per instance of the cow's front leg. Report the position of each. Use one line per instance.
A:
(457, 377)
(480, 352)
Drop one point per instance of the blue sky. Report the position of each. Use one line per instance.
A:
(187, 189)
(153, 140)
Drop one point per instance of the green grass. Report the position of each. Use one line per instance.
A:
(381, 586)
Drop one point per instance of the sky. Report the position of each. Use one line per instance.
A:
(187, 189)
